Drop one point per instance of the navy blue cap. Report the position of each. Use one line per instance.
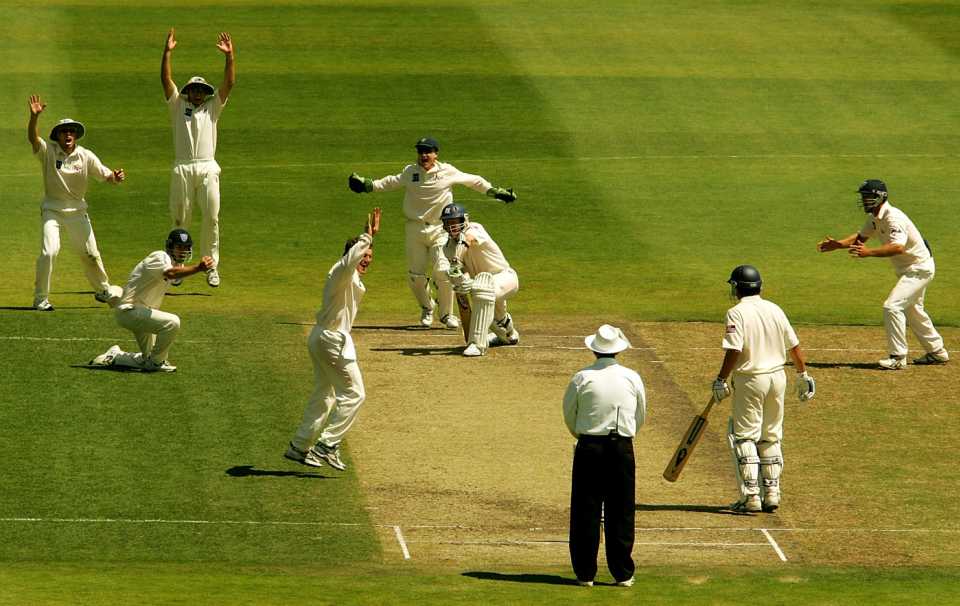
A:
(427, 142)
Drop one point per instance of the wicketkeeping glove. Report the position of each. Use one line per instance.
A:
(360, 185)
(720, 389)
(505, 195)
(806, 387)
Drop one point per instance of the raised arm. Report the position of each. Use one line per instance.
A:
(166, 70)
(33, 131)
(225, 45)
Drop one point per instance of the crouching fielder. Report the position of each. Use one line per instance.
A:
(757, 337)
(479, 269)
(338, 391)
(139, 307)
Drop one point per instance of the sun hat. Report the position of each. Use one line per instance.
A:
(63, 124)
(607, 340)
(197, 81)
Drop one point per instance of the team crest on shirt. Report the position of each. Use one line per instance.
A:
(731, 328)
(59, 164)
(416, 177)
(188, 111)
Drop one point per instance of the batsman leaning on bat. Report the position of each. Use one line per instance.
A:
(688, 443)
(756, 340)
(478, 268)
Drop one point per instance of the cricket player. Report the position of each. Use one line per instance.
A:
(194, 112)
(67, 169)
(755, 343)
(470, 251)
(427, 189)
(338, 391)
(913, 263)
(139, 308)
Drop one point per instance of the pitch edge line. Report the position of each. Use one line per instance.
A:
(774, 544)
(403, 543)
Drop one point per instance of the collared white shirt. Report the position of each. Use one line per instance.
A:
(427, 192)
(66, 176)
(194, 128)
(760, 331)
(484, 255)
(895, 227)
(605, 397)
(147, 285)
(343, 290)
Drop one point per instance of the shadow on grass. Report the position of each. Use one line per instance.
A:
(12, 308)
(113, 368)
(859, 365)
(188, 294)
(423, 351)
(246, 471)
(543, 579)
(723, 509)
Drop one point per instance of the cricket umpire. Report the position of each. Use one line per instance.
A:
(603, 407)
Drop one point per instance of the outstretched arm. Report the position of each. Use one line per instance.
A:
(33, 130)
(182, 271)
(828, 243)
(225, 45)
(166, 70)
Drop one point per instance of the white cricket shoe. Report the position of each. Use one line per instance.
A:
(749, 504)
(934, 357)
(893, 363)
(426, 315)
(584, 583)
(627, 583)
(450, 321)
(330, 454)
(472, 351)
(106, 358)
(42, 304)
(771, 502)
(213, 278)
(304, 457)
(150, 365)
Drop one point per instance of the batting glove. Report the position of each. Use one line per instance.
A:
(720, 389)
(360, 185)
(461, 282)
(806, 387)
(504, 195)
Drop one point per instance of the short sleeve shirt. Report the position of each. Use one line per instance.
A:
(147, 284)
(484, 255)
(195, 128)
(760, 331)
(895, 227)
(66, 176)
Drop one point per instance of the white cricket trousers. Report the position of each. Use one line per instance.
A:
(80, 232)
(757, 412)
(505, 285)
(338, 390)
(425, 258)
(154, 330)
(904, 307)
(198, 184)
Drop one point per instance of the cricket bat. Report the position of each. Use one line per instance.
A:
(689, 441)
(463, 300)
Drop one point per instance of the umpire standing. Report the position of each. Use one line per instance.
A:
(603, 407)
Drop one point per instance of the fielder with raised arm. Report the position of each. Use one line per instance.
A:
(755, 343)
(913, 263)
(67, 169)
(478, 268)
(338, 391)
(194, 112)
(427, 189)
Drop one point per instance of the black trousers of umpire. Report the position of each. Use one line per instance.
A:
(603, 476)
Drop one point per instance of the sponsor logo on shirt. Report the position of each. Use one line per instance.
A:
(416, 177)
(731, 329)
(188, 111)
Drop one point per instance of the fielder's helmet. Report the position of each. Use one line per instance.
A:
(745, 280)
(453, 215)
(873, 193)
(179, 245)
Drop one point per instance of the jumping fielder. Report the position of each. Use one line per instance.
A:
(67, 168)
(338, 392)
(757, 337)
(195, 180)
(470, 251)
(139, 307)
(427, 189)
(913, 263)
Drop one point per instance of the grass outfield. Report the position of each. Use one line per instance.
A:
(654, 146)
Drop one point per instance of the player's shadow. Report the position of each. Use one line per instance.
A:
(110, 368)
(423, 351)
(248, 471)
(188, 294)
(15, 308)
(682, 507)
(523, 577)
(858, 365)
(406, 328)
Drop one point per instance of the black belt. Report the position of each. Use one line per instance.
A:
(610, 436)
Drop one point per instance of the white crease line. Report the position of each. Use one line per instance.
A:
(403, 544)
(773, 544)
(161, 521)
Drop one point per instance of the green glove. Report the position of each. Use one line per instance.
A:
(505, 195)
(360, 184)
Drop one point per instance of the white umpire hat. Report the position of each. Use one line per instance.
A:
(65, 123)
(197, 81)
(607, 340)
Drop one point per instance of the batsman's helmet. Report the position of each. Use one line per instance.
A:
(873, 193)
(454, 216)
(179, 245)
(745, 281)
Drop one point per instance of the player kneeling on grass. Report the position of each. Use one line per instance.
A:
(338, 391)
(755, 343)
(472, 252)
(139, 307)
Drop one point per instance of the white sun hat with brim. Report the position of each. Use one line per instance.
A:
(65, 123)
(197, 81)
(607, 340)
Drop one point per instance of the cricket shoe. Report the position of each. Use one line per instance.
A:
(584, 583)
(151, 365)
(330, 454)
(771, 502)
(627, 583)
(42, 304)
(450, 321)
(893, 363)
(749, 504)
(106, 358)
(472, 351)
(934, 357)
(304, 457)
(426, 315)
(213, 278)
(176, 282)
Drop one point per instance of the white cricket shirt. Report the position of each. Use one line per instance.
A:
(343, 290)
(483, 255)
(146, 285)
(605, 397)
(65, 176)
(894, 226)
(427, 192)
(194, 128)
(760, 331)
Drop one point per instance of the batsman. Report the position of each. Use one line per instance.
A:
(757, 337)
(479, 270)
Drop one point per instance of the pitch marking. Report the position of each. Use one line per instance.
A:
(773, 544)
(403, 543)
